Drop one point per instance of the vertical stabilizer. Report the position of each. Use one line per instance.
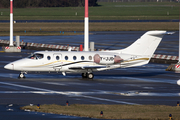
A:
(146, 44)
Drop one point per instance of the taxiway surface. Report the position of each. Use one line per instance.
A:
(148, 84)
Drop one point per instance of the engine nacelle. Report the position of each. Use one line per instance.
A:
(107, 59)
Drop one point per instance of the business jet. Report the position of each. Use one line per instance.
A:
(86, 62)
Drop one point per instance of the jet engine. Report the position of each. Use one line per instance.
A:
(107, 59)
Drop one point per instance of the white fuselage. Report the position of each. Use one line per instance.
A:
(64, 61)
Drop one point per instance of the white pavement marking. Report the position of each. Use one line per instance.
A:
(115, 101)
(15, 92)
(53, 83)
(46, 91)
(34, 88)
(56, 83)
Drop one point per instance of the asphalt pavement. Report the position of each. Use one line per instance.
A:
(148, 84)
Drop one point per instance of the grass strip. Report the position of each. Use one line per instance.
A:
(140, 112)
(105, 11)
(71, 28)
(37, 33)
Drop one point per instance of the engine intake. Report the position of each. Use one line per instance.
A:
(107, 59)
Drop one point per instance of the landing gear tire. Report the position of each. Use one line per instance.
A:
(84, 75)
(90, 76)
(21, 75)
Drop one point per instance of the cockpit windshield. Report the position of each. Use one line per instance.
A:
(36, 56)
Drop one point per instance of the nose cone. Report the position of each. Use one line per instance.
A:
(9, 66)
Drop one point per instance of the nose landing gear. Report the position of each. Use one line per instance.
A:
(21, 75)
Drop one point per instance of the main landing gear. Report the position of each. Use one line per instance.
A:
(88, 75)
(21, 75)
(84, 75)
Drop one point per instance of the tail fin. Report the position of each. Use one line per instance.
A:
(146, 44)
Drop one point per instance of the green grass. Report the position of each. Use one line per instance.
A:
(69, 28)
(105, 11)
(136, 9)
(135, 112)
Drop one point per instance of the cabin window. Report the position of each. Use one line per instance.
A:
(74, 58)
(48, 57)
(90, 57)
(36, 56)
(82, 57)
(66, 57)
(57, 57)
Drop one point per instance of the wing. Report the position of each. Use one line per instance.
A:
(86, 67)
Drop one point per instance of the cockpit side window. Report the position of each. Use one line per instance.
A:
(36, 56)
(39, 56)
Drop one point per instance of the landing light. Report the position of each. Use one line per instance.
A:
(38, 106)
(67, 103)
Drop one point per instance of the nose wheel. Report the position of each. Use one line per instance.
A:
(21, 75)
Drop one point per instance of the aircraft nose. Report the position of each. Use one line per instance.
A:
(9, 66)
